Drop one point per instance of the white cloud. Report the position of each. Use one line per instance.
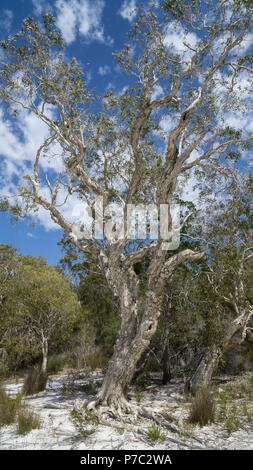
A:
(178, 39)
(20, 141)
(157, 92)
(237, 120)
(188, 188)
(6, 18)
(19, 144)
(127, 10)
(83, 17)
(67, 20)
(104, 70)
(39, 6)
(167, 123)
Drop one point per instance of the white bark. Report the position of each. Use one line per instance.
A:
(44, 356)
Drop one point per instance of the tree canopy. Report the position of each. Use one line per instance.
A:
(39, 305)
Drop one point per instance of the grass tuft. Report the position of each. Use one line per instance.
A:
(27, 420)
(8, 408)
(34, 382)
(202, 407)
(155, 433)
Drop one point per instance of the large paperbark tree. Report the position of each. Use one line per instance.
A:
(120, 153)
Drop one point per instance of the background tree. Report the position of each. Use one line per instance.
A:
(228, 274)
(40, 309)
(8, 264)
(119, 153)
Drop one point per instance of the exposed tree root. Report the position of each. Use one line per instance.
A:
(171, 439)
(116, 407)
(124, 411)
(160, 421)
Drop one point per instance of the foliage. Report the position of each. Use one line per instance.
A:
(202, 300)
(234, 402)
(39, 304)
(99, 311)
(55, 364)
(232, 422)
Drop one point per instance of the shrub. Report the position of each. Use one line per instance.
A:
(34, 382)
(202, 407)
(232, 422)
(27, 420)
(8, 407)
(55, 364)
(141, 383)
(85, 421)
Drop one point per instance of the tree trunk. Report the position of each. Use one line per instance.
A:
(139, 318)
(166, 364)
(235, 333)
(133, 340)
(204, 371)
(165, 355)
(44, 357)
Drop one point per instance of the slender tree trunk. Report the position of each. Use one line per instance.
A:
(166, 364)
(44, 357)
(235, 332)
(165, 355)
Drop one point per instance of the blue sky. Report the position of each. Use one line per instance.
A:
(92, 30)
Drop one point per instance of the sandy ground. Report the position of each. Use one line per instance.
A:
(63, 393)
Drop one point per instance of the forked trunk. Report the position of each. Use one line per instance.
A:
(139, 318)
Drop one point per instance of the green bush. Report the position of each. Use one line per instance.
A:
(202, 407)
(55, 364)
(141, 383)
